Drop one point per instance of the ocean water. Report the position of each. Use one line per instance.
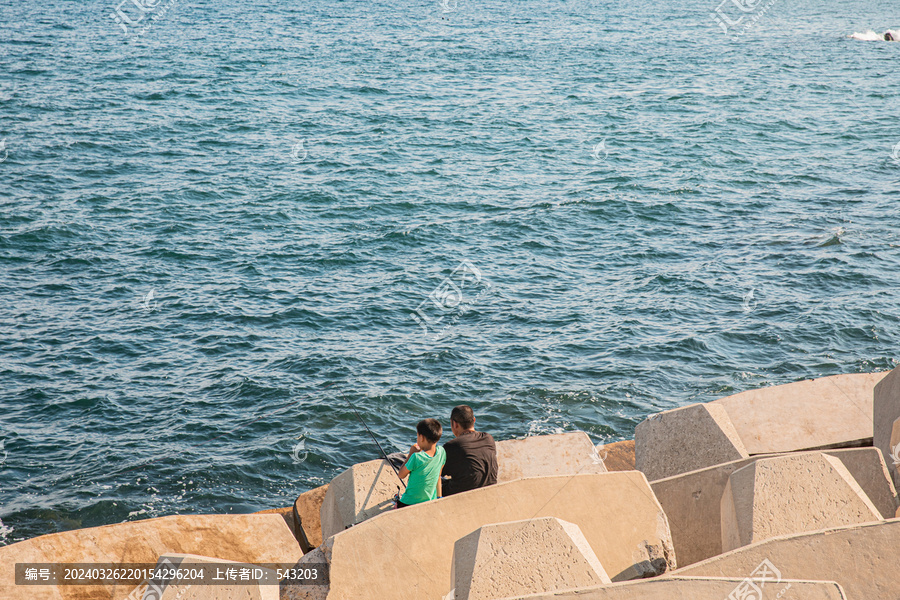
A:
(226, 223)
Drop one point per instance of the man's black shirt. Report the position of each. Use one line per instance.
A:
(471, 462)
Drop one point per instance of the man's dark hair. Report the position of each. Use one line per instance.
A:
(430, 429)
(463, 416)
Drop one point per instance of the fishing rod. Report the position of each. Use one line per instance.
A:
(383, 454)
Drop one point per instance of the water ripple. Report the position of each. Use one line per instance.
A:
(215, 235)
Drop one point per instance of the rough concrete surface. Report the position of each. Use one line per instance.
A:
(789, 494)
(618, 456)
(885, 411)
(894, 459)
(692, 501)
(240, 538)
(546, 455)
(868, 469)
(359, 493)
(829, 412)
(861, 558)
(685, 439)
(388, 556)
(367, 489)
(523, 557)
(307, 509)
(702, 588)
(284, 512)
(179, 590)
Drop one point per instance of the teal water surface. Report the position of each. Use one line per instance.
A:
(225, 224)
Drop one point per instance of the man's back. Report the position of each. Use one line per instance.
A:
(471, 462)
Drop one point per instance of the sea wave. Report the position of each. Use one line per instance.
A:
(217, 236)
(873, 36)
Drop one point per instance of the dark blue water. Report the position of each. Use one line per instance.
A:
(216, 227)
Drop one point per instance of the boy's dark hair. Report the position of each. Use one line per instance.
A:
(463, 416)
(430, 429)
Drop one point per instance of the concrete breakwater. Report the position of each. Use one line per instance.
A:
(782, 492)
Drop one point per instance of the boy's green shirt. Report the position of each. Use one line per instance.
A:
(424, 472)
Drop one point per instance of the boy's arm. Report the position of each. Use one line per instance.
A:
(404, 471)
(439, 490)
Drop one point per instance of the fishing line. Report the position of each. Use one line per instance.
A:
(383, 454)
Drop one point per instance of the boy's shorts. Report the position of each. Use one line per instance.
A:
(397, 503)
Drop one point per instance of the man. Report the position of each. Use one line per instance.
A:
(471, 455)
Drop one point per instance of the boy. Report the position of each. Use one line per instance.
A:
(424, 465)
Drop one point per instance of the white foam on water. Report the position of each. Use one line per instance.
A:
(873, 36)
(544, 427)
(4, 533)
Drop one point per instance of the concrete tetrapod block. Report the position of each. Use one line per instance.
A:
(868, 469)
(895, 451)
(367, 489)
(685, 439)
(701, 588)
(362, 491)
(408, 553)
(180, 590)
(862, 559)
(618, 456)
(829, 412)
(523, 557)
(307, 515)
(885, 411)
(284, 513)
(692, 501)
(546, 455)
(790, 494)
(241, 538)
